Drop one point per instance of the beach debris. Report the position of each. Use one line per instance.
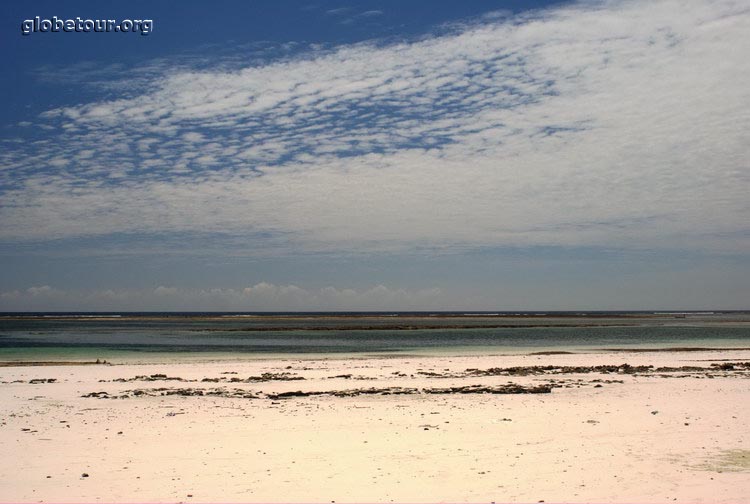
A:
(153, 377)
(251, 379)
(268, 377)
(510, 388)
(622, 369)
(85, 475)
(42, 380)
(732, 366)
(345, 393)
(727, 368)
(102, 394)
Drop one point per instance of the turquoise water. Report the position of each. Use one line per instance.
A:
(128, 336)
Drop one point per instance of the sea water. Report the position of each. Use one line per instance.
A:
(74, 336)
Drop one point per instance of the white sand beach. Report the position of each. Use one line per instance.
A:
(599, 435)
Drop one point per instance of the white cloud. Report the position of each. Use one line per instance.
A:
(165, 291)
(618, 124)
(39, 291)
(193, 137)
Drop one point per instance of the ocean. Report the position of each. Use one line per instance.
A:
(136, 336)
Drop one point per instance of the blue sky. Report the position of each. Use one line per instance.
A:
(377, 155)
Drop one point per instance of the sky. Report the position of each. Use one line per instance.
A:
(377, 155)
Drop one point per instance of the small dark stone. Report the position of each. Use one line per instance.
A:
(85, 475)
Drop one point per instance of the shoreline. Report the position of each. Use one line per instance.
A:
(98, 356)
